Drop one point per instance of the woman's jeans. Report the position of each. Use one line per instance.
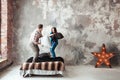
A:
(52, 49)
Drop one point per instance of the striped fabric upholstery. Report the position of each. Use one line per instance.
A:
(57, 66)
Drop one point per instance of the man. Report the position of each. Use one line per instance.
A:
(34, 41)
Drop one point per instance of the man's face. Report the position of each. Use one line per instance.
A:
(40, 29)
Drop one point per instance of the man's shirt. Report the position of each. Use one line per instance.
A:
(35, 36)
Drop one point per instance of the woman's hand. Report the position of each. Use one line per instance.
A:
(51, 35)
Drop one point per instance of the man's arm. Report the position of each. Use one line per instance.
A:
(36, 43)
(36, 40)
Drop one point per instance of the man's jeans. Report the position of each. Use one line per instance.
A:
(35, 49)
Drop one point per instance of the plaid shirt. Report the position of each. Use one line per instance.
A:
(35, 36)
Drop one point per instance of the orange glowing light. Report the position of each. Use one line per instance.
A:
(98, 55)
(100, 60)
(107, 55)
(103, 57)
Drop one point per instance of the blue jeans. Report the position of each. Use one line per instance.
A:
(52, 49)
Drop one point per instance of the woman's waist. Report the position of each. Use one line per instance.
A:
(54, 42)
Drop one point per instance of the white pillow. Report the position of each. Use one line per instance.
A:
(45, 41)
(45, 44)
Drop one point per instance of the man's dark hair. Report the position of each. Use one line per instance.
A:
(40, 26)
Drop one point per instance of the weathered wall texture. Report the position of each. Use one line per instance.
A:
(86, 24)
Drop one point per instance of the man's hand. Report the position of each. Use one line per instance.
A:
(38, 43)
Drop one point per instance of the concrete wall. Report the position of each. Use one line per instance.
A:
(86, 24)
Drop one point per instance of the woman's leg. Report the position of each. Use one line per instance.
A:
(52, 49)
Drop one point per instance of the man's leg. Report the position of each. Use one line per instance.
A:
(36, 50)
(36, 53)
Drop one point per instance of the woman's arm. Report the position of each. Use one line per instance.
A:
(52, 34)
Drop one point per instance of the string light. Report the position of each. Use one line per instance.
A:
(103, 57)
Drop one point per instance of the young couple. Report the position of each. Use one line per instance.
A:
(34, 41)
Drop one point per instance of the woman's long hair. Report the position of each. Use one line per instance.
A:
(55, 30)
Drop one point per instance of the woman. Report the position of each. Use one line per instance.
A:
(54, 41)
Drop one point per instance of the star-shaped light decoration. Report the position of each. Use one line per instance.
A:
(103, 57)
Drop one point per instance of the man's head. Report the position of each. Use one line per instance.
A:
(40, 27)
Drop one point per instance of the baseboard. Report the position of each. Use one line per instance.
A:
(6, 66)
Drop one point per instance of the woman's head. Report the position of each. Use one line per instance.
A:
(54, 30)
